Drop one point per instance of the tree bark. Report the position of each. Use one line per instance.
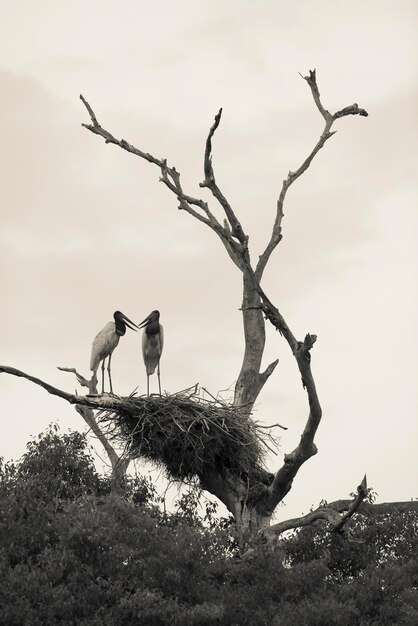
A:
(250, 381)
(233, 493)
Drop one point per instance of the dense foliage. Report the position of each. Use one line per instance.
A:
(71, 552)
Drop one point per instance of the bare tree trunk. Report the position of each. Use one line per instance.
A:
(233, 492)
(248, 384)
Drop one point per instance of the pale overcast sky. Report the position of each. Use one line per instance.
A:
(87, 229)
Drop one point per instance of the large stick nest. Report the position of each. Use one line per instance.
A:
(187, 435)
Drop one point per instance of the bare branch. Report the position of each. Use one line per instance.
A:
(91, 112)
(306, 448)
(323, 513)
(268, 371)
(276, 235)
(84, 406)
(274, 316)
(210, 183)
(161, 163)
(329, 514)
(311, 80)
(171, 179)
(94, 402)
(83, 381)
(118, 463)
(272, 426)
(336, 521)
(88, 416)
(208, 168)
(361, 494)
(97, 129)
(381, 508)
(185, 200)
(353, 109)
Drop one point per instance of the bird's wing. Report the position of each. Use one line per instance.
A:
(152, 346)
(144, 346)
(161, 338)
(103, 344)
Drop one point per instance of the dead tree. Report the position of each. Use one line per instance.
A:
(232, 487)
(255, 305)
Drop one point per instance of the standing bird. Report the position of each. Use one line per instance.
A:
(106, 341)
(152, 345)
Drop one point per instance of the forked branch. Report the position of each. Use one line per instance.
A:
(118, 464)
(84, 405)
(94, 402)
(306, 448)
(329, 118)
(210, 183)
(170, 177)
(336, 521)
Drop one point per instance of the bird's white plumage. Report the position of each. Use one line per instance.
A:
(103, 345)
(152, 347)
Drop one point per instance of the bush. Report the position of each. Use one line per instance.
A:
(71, 552)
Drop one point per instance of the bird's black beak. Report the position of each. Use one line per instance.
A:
(144, 323)
(152, 317)
(129, 323)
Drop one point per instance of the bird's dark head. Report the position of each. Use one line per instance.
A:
(121, 322)
(154, 316)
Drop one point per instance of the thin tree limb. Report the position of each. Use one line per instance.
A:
(171, 179)
(94, 402)
(88, 416)
(167, 172)
(306, 448)
(361, 494)
(118, 463)
(380, 508)
(210, 183)
(83, 381)
(322, 514)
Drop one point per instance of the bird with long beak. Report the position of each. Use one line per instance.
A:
(106, 341)
(152, 345)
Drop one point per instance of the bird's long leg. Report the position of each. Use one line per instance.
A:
(147, 384)
(158, 374)
(103, 368)
(108, 371)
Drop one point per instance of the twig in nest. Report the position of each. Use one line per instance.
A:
(272, 426)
